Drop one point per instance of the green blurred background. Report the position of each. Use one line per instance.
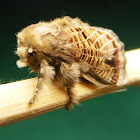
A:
(109, 117)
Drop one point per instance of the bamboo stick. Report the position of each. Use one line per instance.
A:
(14, 97)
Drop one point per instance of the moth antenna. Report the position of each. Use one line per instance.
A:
(30, 71)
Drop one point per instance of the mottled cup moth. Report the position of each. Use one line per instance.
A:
(67, 49)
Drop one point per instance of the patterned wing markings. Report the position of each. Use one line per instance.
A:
(101, 49)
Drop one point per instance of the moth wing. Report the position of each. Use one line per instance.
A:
(102, 51)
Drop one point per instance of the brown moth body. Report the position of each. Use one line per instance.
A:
(66, 49)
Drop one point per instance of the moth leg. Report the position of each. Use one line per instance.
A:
(32, 100)
(46, 75)
(70, 74)
(73, 99)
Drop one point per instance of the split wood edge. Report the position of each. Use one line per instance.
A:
(14, 97)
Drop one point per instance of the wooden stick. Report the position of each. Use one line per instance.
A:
(14, 97)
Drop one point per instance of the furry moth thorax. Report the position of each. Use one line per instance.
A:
(42, 38)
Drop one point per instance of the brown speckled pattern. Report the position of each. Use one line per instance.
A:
(101, 49)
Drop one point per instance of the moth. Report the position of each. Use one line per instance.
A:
(66, 50)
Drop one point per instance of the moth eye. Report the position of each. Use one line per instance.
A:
(31, 54)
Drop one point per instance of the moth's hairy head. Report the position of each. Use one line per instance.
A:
(30, 41)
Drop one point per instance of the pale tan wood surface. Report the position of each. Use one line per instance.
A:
(14, 97)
